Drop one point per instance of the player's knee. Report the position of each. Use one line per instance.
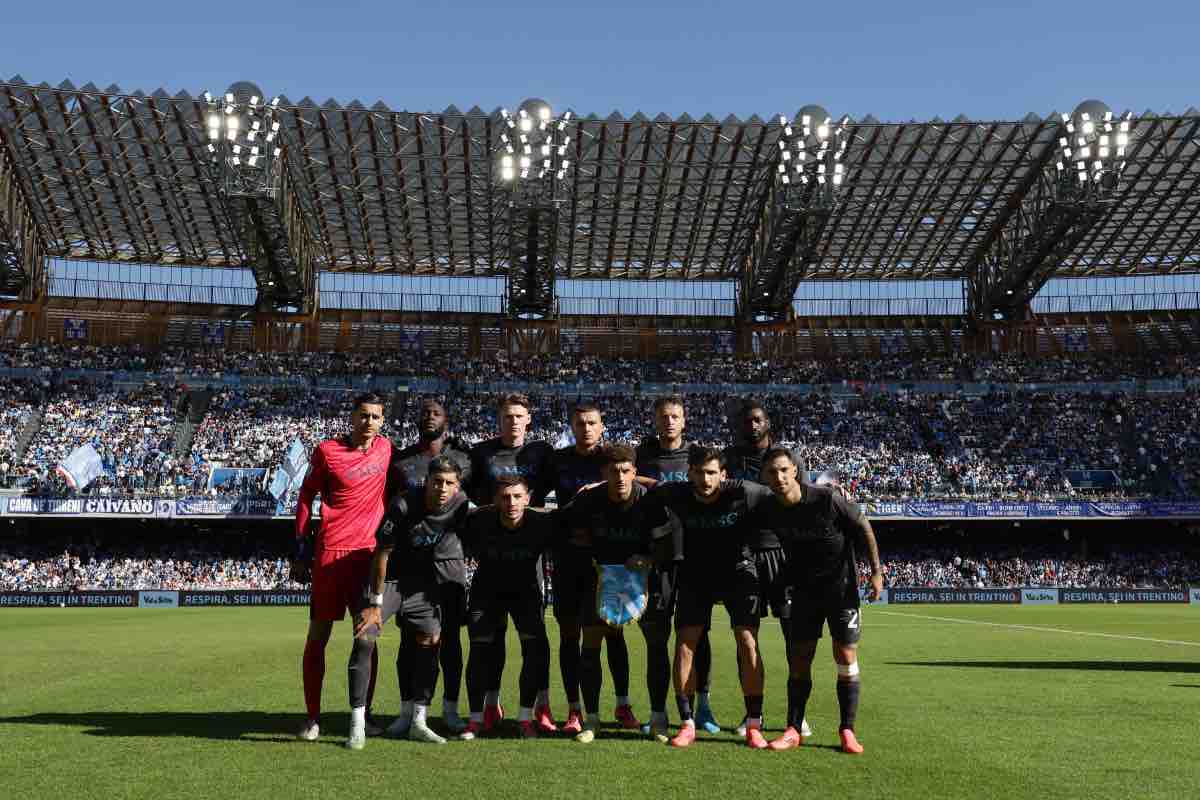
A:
(428, 640)
(319, 631)
(482, 637)
(847, 673)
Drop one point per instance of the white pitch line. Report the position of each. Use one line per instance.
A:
(1038, 628)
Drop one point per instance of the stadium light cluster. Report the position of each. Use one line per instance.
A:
(812, 149)
(535, 143)
(242, 130)
(1093, 146)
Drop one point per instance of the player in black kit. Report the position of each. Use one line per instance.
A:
(409, 469)
(618, 526)
(507, 540)
(433, 439)
(663, 459)
(416, 573)
(510, 454)
(744, 462)
(716, 567)
(819, 529)
(575, 467)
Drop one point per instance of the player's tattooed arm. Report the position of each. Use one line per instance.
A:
(868, 536)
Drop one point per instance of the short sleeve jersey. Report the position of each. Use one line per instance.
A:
(664, 466)
(715, 536)
(818, 534)
(411, 465)
(491, 459)
(352, 485)
(508, 557)
(573, 470)
(617, 530)
(744, 463)
(425, 542)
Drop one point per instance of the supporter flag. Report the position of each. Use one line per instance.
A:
(622, 594)
(296, 459)
(298, 479)
(279, 484)
(81, 467)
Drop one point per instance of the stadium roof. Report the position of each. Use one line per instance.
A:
(119, 176)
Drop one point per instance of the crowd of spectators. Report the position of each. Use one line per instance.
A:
(98, 562)
(990, 563)
(1009, 443)
(237, 560)
(698, 367)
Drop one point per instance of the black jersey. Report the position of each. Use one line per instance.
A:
(411, 465)
(818, 534)
(424, 543)
(573, 470)
(744, 462)
(715, 536)
(665, 466)
(615, 531)
(509, 558)
(491, 459)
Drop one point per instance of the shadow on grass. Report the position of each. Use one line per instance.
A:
(1105, 666)
(258, 726)
(1186, 685)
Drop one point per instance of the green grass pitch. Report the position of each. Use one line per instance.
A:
(203, 703)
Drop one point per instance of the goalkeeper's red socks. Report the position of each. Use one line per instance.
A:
(314, 676)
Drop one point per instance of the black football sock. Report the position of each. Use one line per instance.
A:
(754, 704)
(535, 669)
(799, 690)
(424, 674)
(359, 671)
(618, 664)
(685, 708)
(658, 674)
(404, 675)
(847, 694)
(703, 664)
(479, 673)
(499, 659)
(568, 665)
(591, 679)
(451, 656)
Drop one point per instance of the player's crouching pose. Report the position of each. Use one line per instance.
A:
(818, 527)
(418, 558)
(616, 524)
(507, 540)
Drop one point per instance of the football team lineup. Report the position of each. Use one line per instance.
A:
(397, 529)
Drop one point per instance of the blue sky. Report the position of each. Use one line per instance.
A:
(898, 60)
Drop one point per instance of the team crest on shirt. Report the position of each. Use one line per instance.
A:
(622, 594)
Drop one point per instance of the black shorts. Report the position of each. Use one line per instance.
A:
(695, 596)
(812, 610)
(453, 600)
(574, 585)
(415, 602)
(493, 601)
(774, 587)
